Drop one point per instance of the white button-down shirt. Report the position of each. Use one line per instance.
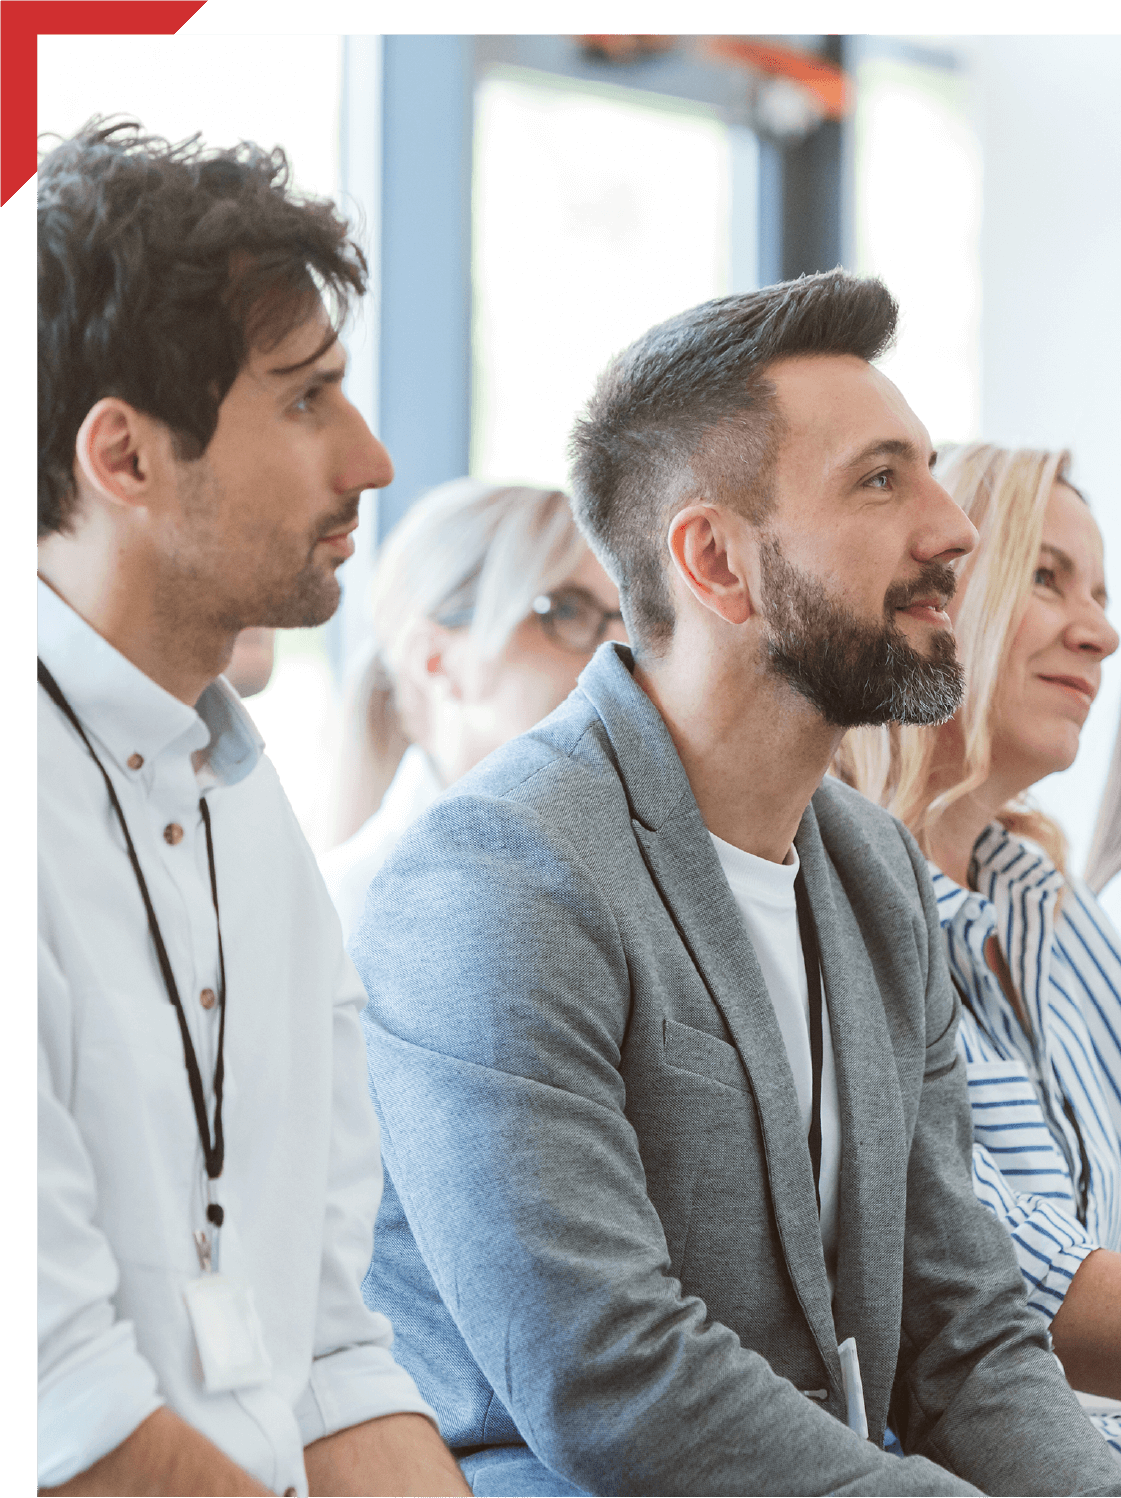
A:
(121, 1177)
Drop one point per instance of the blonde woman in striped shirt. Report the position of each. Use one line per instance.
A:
(1036, 962)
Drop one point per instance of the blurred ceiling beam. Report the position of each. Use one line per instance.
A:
(795, 93)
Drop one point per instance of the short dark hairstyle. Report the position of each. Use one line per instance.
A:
(160, 267)
(687, 409)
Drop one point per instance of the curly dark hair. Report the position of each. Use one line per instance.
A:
(160, 267)
(687, 409)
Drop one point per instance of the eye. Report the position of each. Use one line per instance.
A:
(1043, 577)
(569, 606)
(880, 480)
(306, 401)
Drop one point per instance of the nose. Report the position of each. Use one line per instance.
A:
(364, 462)
(945, 531)
(1090, 632)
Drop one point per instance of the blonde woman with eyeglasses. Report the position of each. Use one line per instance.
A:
(1034, 959)
(487, 605)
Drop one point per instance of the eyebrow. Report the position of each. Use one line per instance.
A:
(1064, 559)
(886, 447)
(309, 374)
(331, 343)
(1066, 564)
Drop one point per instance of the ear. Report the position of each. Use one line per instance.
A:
(705, 542)
(431, 660)
(119, 452)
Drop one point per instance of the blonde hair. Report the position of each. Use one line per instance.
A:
(466, 550)
(1004, 492)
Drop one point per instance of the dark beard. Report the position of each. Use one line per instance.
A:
(857, 674)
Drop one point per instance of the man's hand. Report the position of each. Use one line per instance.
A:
(1086, 1331)
(165, 1456)
(399, 1454)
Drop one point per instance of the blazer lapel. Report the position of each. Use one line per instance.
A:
(684, 866)
(872, 1197)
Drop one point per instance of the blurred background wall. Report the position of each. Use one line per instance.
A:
(1050, 137)
(531, 203)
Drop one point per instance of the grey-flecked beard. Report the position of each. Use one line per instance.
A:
(857, 674)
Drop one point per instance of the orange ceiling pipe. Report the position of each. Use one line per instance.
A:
(822, 78)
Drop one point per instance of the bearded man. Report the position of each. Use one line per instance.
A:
(696, 1142)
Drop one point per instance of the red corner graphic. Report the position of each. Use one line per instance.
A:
(22, 23)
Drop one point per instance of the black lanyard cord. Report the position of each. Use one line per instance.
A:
(217, 1155)
(213, 1153)
(811, 955)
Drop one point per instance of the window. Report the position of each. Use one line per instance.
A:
(918, 226)
(597, 212)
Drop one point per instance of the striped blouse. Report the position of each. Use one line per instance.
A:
(1046, 1107)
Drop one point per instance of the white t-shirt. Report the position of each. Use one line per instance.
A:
(764, 892)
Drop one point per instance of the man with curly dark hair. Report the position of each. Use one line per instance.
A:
(208, 1160)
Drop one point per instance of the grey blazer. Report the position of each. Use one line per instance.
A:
(599, 1236)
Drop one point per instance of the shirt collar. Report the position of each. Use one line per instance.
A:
(1017, 898)
(130, 713)
(1006, 866)
(949, 894)
(1003, 863)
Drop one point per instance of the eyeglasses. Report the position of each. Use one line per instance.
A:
(569, 616)
(573, 619)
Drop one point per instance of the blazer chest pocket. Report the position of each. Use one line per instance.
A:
(703, 1055)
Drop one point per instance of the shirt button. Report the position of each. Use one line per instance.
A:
(173, 833)
(135, 761)
(208, 998)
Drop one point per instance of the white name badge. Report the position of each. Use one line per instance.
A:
(228, 1333)
(854, 1387)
